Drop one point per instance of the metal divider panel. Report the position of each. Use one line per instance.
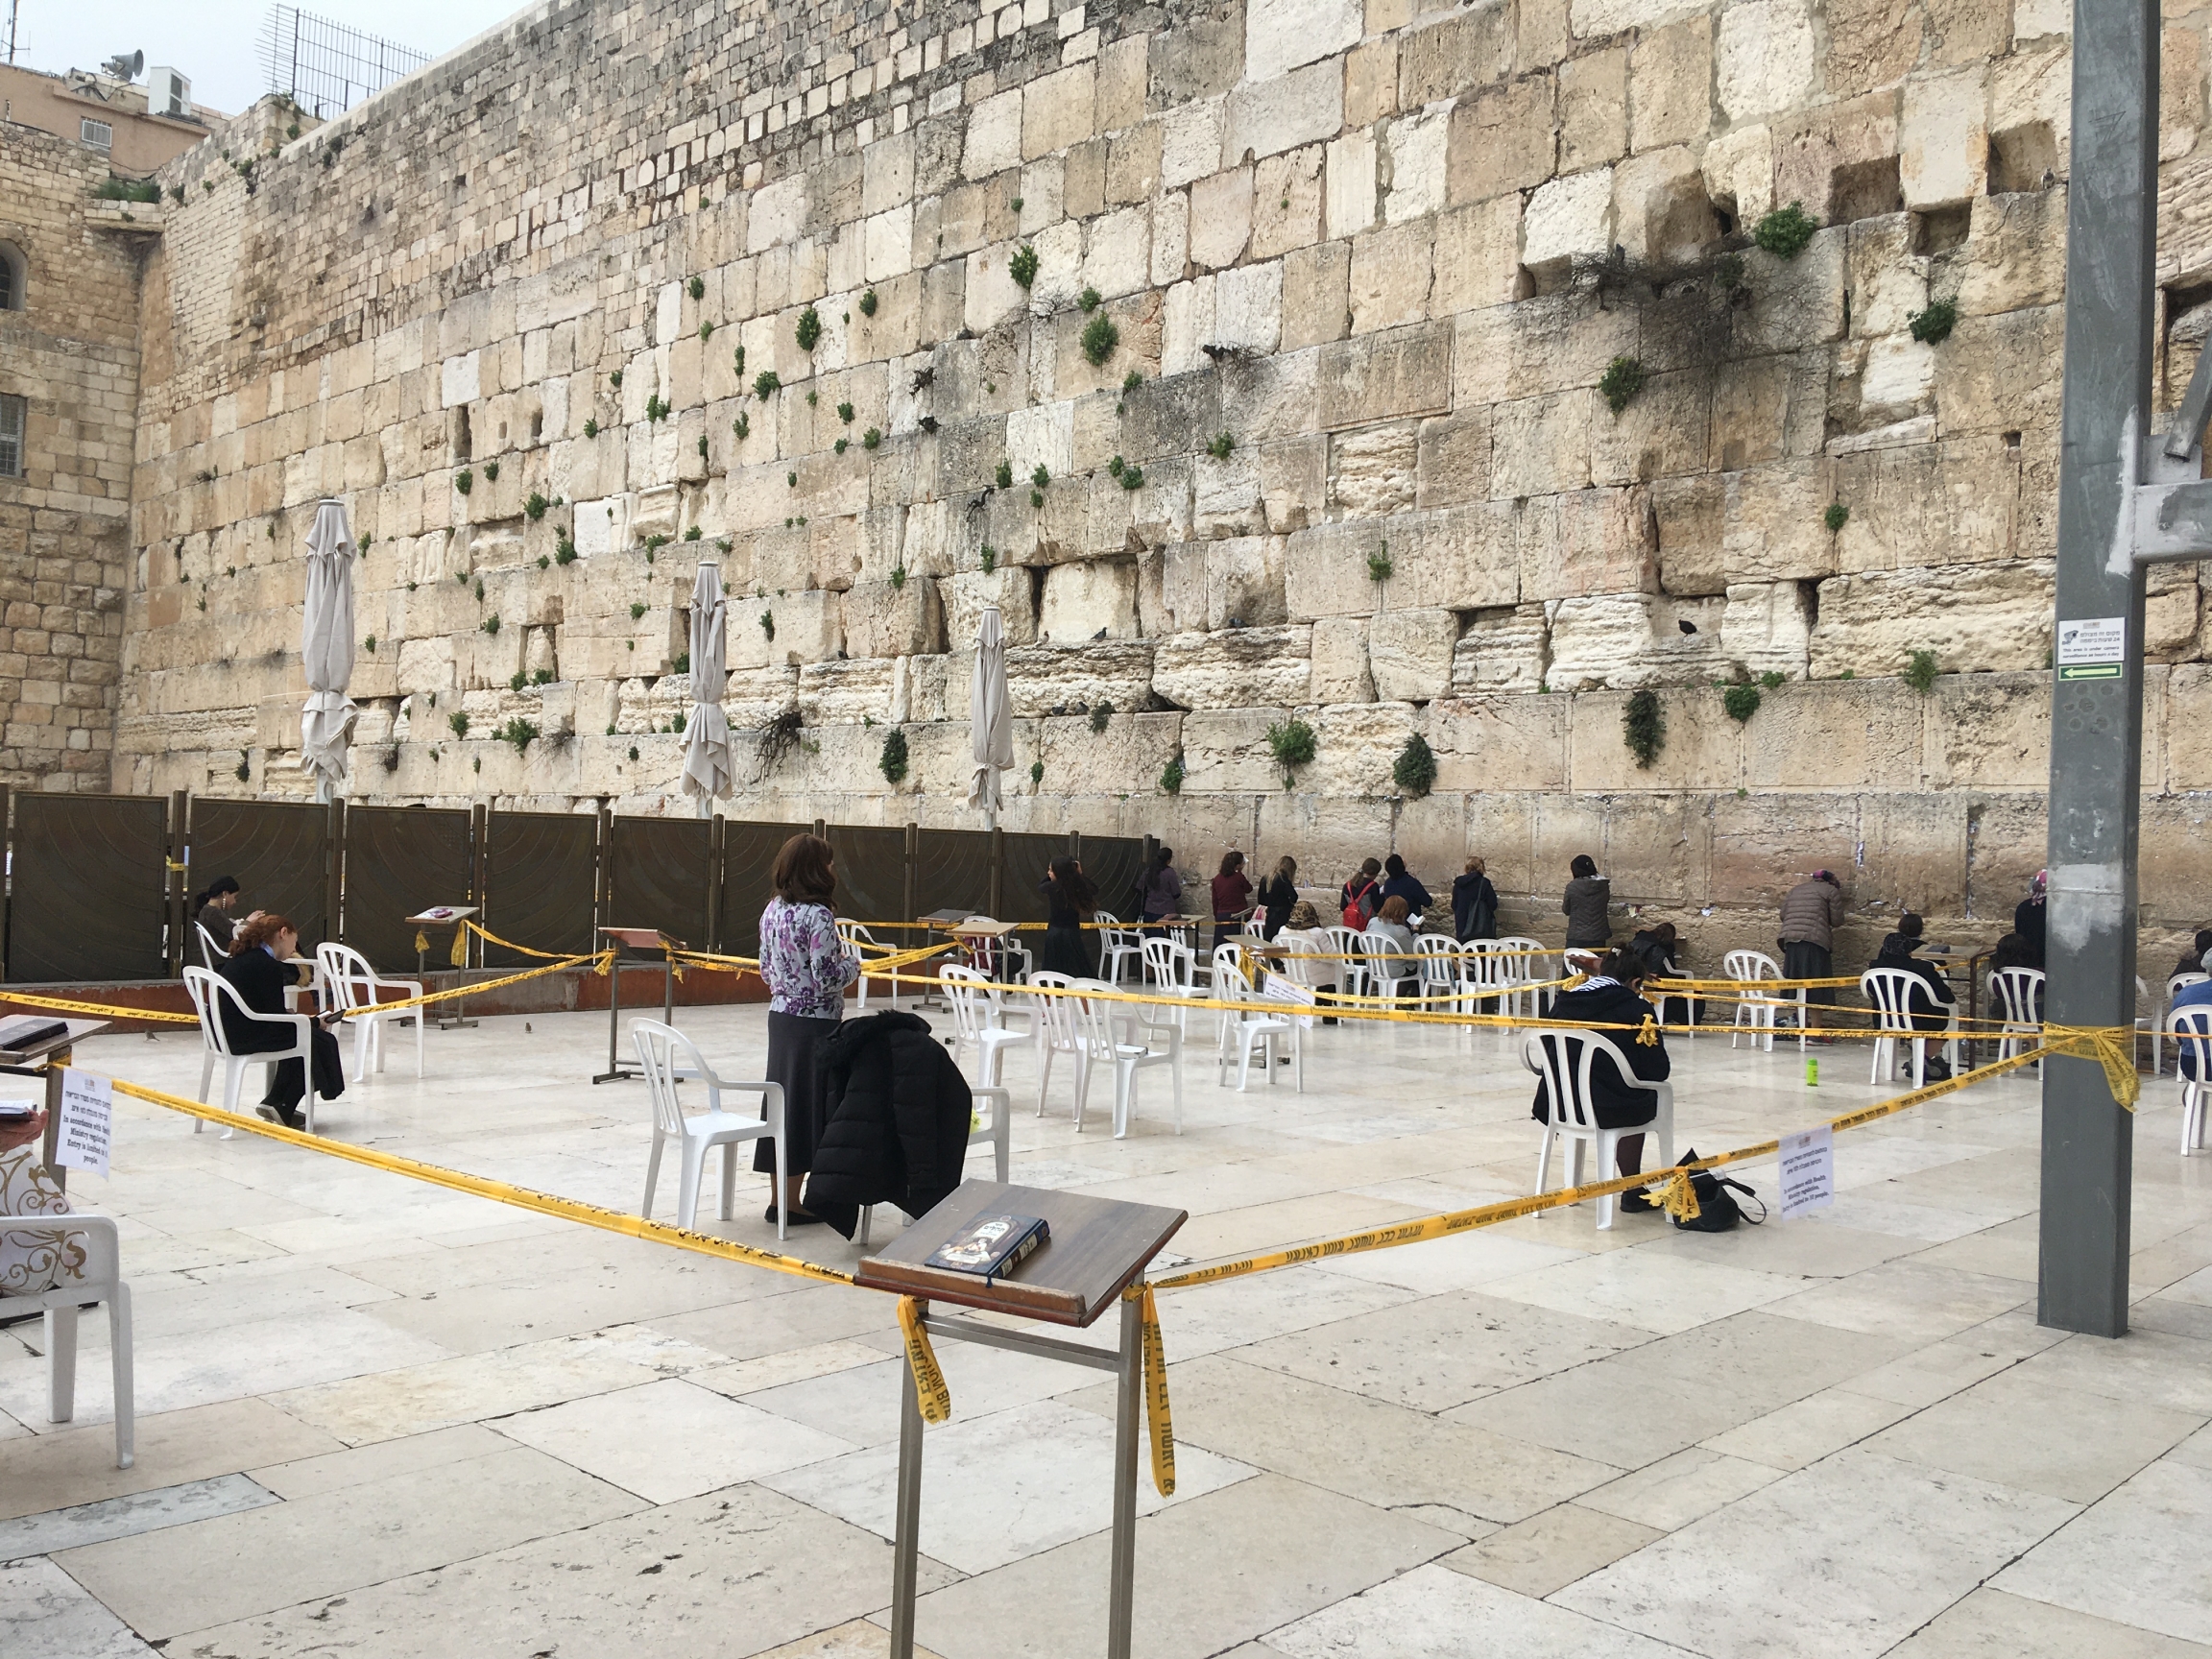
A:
(89, 889)
(871, 874)
(1114, 863)
(399, 861)
(953, 871)
(275, 850)
(1028, 861)
(540, 868)
(748, 862)
(660, 868)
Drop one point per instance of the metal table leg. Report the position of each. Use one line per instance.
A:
(615, 1072)
(1126, 1430)
(458, 1018)
(908, 1530)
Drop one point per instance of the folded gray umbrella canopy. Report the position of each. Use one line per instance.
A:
(990, 721)
(706, 769)
(326, 649)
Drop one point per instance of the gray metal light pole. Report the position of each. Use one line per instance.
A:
(2097, 688)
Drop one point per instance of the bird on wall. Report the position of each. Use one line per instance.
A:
(1100, 635)
(1684, 624)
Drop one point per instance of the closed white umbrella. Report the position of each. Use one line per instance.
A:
(326, 649)
(706, 768)
(990, 722)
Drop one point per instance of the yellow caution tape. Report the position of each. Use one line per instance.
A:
(1156, 1418)
(459, 955)
(929, 1385)
(498, 1192)
(2102, 1044)
(98, 1010)
(421, 942)
(400, 1003)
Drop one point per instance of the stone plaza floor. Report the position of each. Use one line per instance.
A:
(377, 1418)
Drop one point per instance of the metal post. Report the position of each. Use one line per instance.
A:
(906, 1531)
(1128, 1395)
(2097, 717)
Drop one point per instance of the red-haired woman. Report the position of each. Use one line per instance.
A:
(259, 970)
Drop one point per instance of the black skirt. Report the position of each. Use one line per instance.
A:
(1071, 951)
(795, 1061)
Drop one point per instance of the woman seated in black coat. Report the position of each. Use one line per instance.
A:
(1610, 997)
(258, 971)
(1928, 1003)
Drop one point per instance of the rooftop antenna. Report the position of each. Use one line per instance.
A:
(11, 5)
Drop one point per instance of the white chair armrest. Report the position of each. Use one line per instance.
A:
(297, 1022)
(104, 1254)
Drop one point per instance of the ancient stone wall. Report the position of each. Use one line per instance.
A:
(1392, 370)
(71, 353)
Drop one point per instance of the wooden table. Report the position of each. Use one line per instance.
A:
(447, 916)
(635, 939)
(1097, 1248)
(46, 1060)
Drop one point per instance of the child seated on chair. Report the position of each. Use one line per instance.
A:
(1611, 997)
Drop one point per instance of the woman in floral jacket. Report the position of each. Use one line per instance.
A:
(807, 969)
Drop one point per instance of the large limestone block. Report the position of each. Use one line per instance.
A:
(1132, 749)
(856, 690)
(1493, 745)
(1082, 600)
(1597, 540)
(1372, 471)
(894, 619)
(1267, 117)
(1477, 256)
(1315, 303)
(1569, 219)
(1221, 217)
(1764, 60)
(1455, 558)
(1889, 282)
(1831, 732)
(1117, 252)
(1541, 446)
(2001, 373)
(1057, 111)
(1281, 34)
(1760, 524)
(1661, 212)
(1944, 139)
(1042, 435)
(1702, 751)
(1501, 140)
(1190, 142)
(1988, 731)
(1287, 193)
(1663, 432)
(2015, 253)
(1040, 677)
(810, 627)
(1383, 376)
(1542, 345)
(1415, 155)
(1391, 273)
(1225, 495)
(1739, 169)
(1248, 310)
(1670, 86)
(1410, 654)
(1441, 60)
(1357, 744)
(1768, 627)
(994, 137)
(1794, 302)
(1592, 109)
(1236, 668)
(1973, 617)
(1632, 639)
(1452, 459)
(1504, 649)
(1227, 749)
(1340, 672)
(1921, 504)
(1349, 200)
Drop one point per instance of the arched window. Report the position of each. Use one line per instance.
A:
(15, 272)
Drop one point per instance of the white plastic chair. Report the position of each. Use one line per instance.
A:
(669, 1059)
(2016, 994)
(1059, 1031)
(1352, 976)
(1386, 969)
(1889, 992)
(2174, 985)
(100, 1280)
(1174, 971)
(210, 993)
(1249, 1030)
(2192, 1032)
(976, 1019)
(1523, 962)
(1104, 1043)
(212, 954)
(1439, 965)
(856, 936)
(354, 984)
(1480, 977)
(1758, 977)
(1565, 1060)
(1116, 945)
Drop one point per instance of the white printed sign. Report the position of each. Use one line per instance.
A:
(2092, 647)
(87, 1120)
(1278, 988)
(1807, 1171)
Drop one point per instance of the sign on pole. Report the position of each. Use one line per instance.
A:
(87, 1122)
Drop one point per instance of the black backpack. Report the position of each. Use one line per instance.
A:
(1716, 1211)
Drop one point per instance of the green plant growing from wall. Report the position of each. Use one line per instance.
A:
(1041, 478)
(1644, 727)
(1022, 267)
(1099, 338)
(768, 624)
(1379, 565)
(490, 625)
(1223, 446)
(814, 397)
(518, 732)
(868, 304)
(591, 428)
(1773, 679)
(533, 508)
(1172, 775)
(1622, 379)
(463, 480)
(766, 384)
(696, 287)
(633, 751)
(702, 445)
(892, 762)
(1933, 326)
(244, 772)
(636, 608)
(1101, 713)
(370, 644)
(871, 438)
(1132, 477)
(808, 330)
(479, 590)
(898, 577)
(656, 410)
(705, 330)
(1293, 745)
(742, 426)
(459, 721)
(1415, 769)
(365, 542)
(1920, 672)
(841, 446)
(988, 557)
(653, 544)
(739, 361)
(615, 379)
(694, 534)
(1787, 231)
(1089, 299)
(518, 679)
(541, 677)
(1742, 701)
(1036, 773)
(1835, 517)
(564, 551)
(1005, 475)
(681, 665)
(845, 413)
(492, 471)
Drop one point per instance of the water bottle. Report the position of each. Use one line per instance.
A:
(1812, 1072)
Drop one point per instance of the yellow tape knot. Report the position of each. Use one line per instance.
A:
(1678, 1198)
(460, 952)
(2111, 1047)
(1648, 1034)
(421, 942)
(930, 1384)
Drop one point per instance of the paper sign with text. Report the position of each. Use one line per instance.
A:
(1807, 1171)
(1278, 988)
(87, 1119)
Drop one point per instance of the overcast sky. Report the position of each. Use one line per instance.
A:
(215, 44)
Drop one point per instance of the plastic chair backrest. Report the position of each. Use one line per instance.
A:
(1751, 965)
(962, 988)
(1439, 958)
(208, 950)
(2178, 981)
(1170, 963)
(1564, 1060)
(346, 972)
(205, 989)
(1521, 956)
(1229, 977)
(1093, 1017)
(1891, 991)
(661, 1050)
(2016, 991)
(1059, 1020)
(2192, 1032)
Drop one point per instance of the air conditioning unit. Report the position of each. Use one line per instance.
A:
(168, 93)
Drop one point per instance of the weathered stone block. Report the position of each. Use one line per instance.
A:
(1768, 627)
(1568, 219)
(1502, 649)
(1380, 376)
(1042, 677)
(1442, 59)
(1477, 256)
(1236, 668)
(1410, 654)
(1082, 601)
(1372, 470)
(1501, 140)
(1541, 446)
(1287, 201)
(887, 619)
(1973, 617)
(1340, 672)
(1267, 117)
(1221, 217)
(967, 595)
(1944, 139)
(1281, 34)
(1317, 287)
(1764, 59)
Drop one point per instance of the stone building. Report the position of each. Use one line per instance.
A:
(1392, 370)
